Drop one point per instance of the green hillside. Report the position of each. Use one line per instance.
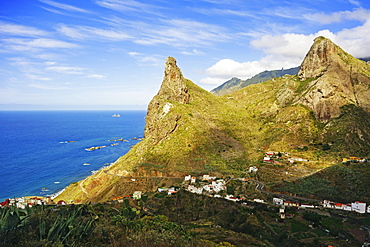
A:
(317, 117)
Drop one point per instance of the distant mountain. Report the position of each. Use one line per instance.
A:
(314, 118)
(236, 83)
(366, 59)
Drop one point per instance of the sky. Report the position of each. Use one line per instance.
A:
(110, 54)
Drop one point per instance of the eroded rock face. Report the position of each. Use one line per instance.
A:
(159, 120)
(335, 81)
(173, 87)
(320, 56)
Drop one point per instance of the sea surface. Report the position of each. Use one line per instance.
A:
(42, 152)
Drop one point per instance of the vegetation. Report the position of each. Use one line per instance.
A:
(183, 219)
(343, 182)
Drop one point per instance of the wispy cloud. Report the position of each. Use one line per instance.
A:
(215, 11)
(86, 32)
(358, 14)
(47, 87)
(96, 76)
(65, 7)
(37, 77)
(25, 44)
(193, 52)
(129, 6)
(20, 30)
(143, 59)
(66, 69)
(177, 32)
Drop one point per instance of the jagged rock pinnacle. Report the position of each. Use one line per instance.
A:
(159, 120)
(317, 60)
(173, 86)
(336, 80)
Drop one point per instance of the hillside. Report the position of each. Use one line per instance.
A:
(235, 84)
(320, 115)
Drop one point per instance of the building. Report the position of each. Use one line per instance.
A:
(277, 201)
(253, 169)
(173, 190)
(162, 189)
(137, 195)
(359, 207)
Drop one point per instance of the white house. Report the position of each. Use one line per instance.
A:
(193, 189)
(173, 190)
(205, 177)
(187, 178)
(193, 179)
(137, 195)
(253, 169)
(162, 189)
(277, 201)
(231, 198)
(359, 207)
(266, 159)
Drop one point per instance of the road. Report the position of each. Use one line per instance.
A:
(260, 186)
(133, 177)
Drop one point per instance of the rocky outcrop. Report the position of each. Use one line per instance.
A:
(160, 122)
(173, 86)
(334, 78)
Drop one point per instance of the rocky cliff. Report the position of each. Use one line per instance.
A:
(334, 78)
(173, 89)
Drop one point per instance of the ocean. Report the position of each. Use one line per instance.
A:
(42, 152)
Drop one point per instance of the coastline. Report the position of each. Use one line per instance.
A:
(34, 145)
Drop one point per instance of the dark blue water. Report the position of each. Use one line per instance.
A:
(34, 155)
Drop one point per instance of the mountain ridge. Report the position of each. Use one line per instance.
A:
(235, 83)
(191, 131)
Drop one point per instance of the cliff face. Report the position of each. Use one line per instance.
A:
(159, 123)
(334, 78)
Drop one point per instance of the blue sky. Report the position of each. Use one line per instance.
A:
(110, 54)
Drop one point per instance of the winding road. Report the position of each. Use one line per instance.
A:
(260, 186)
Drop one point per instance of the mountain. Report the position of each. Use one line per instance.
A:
(235, 83)
(319, 115)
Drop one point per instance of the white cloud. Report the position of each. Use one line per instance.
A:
(193, 52)
(46, 87)
(214, 11)
(143, 59)
(66, 69)
(359, 14)
(225, 69)
(96, 76)
(35, 44)
(85, 32)
(128, 5)
(37, 77)
(176, 32)
(66, 7)
(20, 30)
(289, 45)
(356, 3)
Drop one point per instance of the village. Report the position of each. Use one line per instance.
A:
(216, 187)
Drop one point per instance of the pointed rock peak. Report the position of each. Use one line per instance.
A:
(173, 86)
(320, 56)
